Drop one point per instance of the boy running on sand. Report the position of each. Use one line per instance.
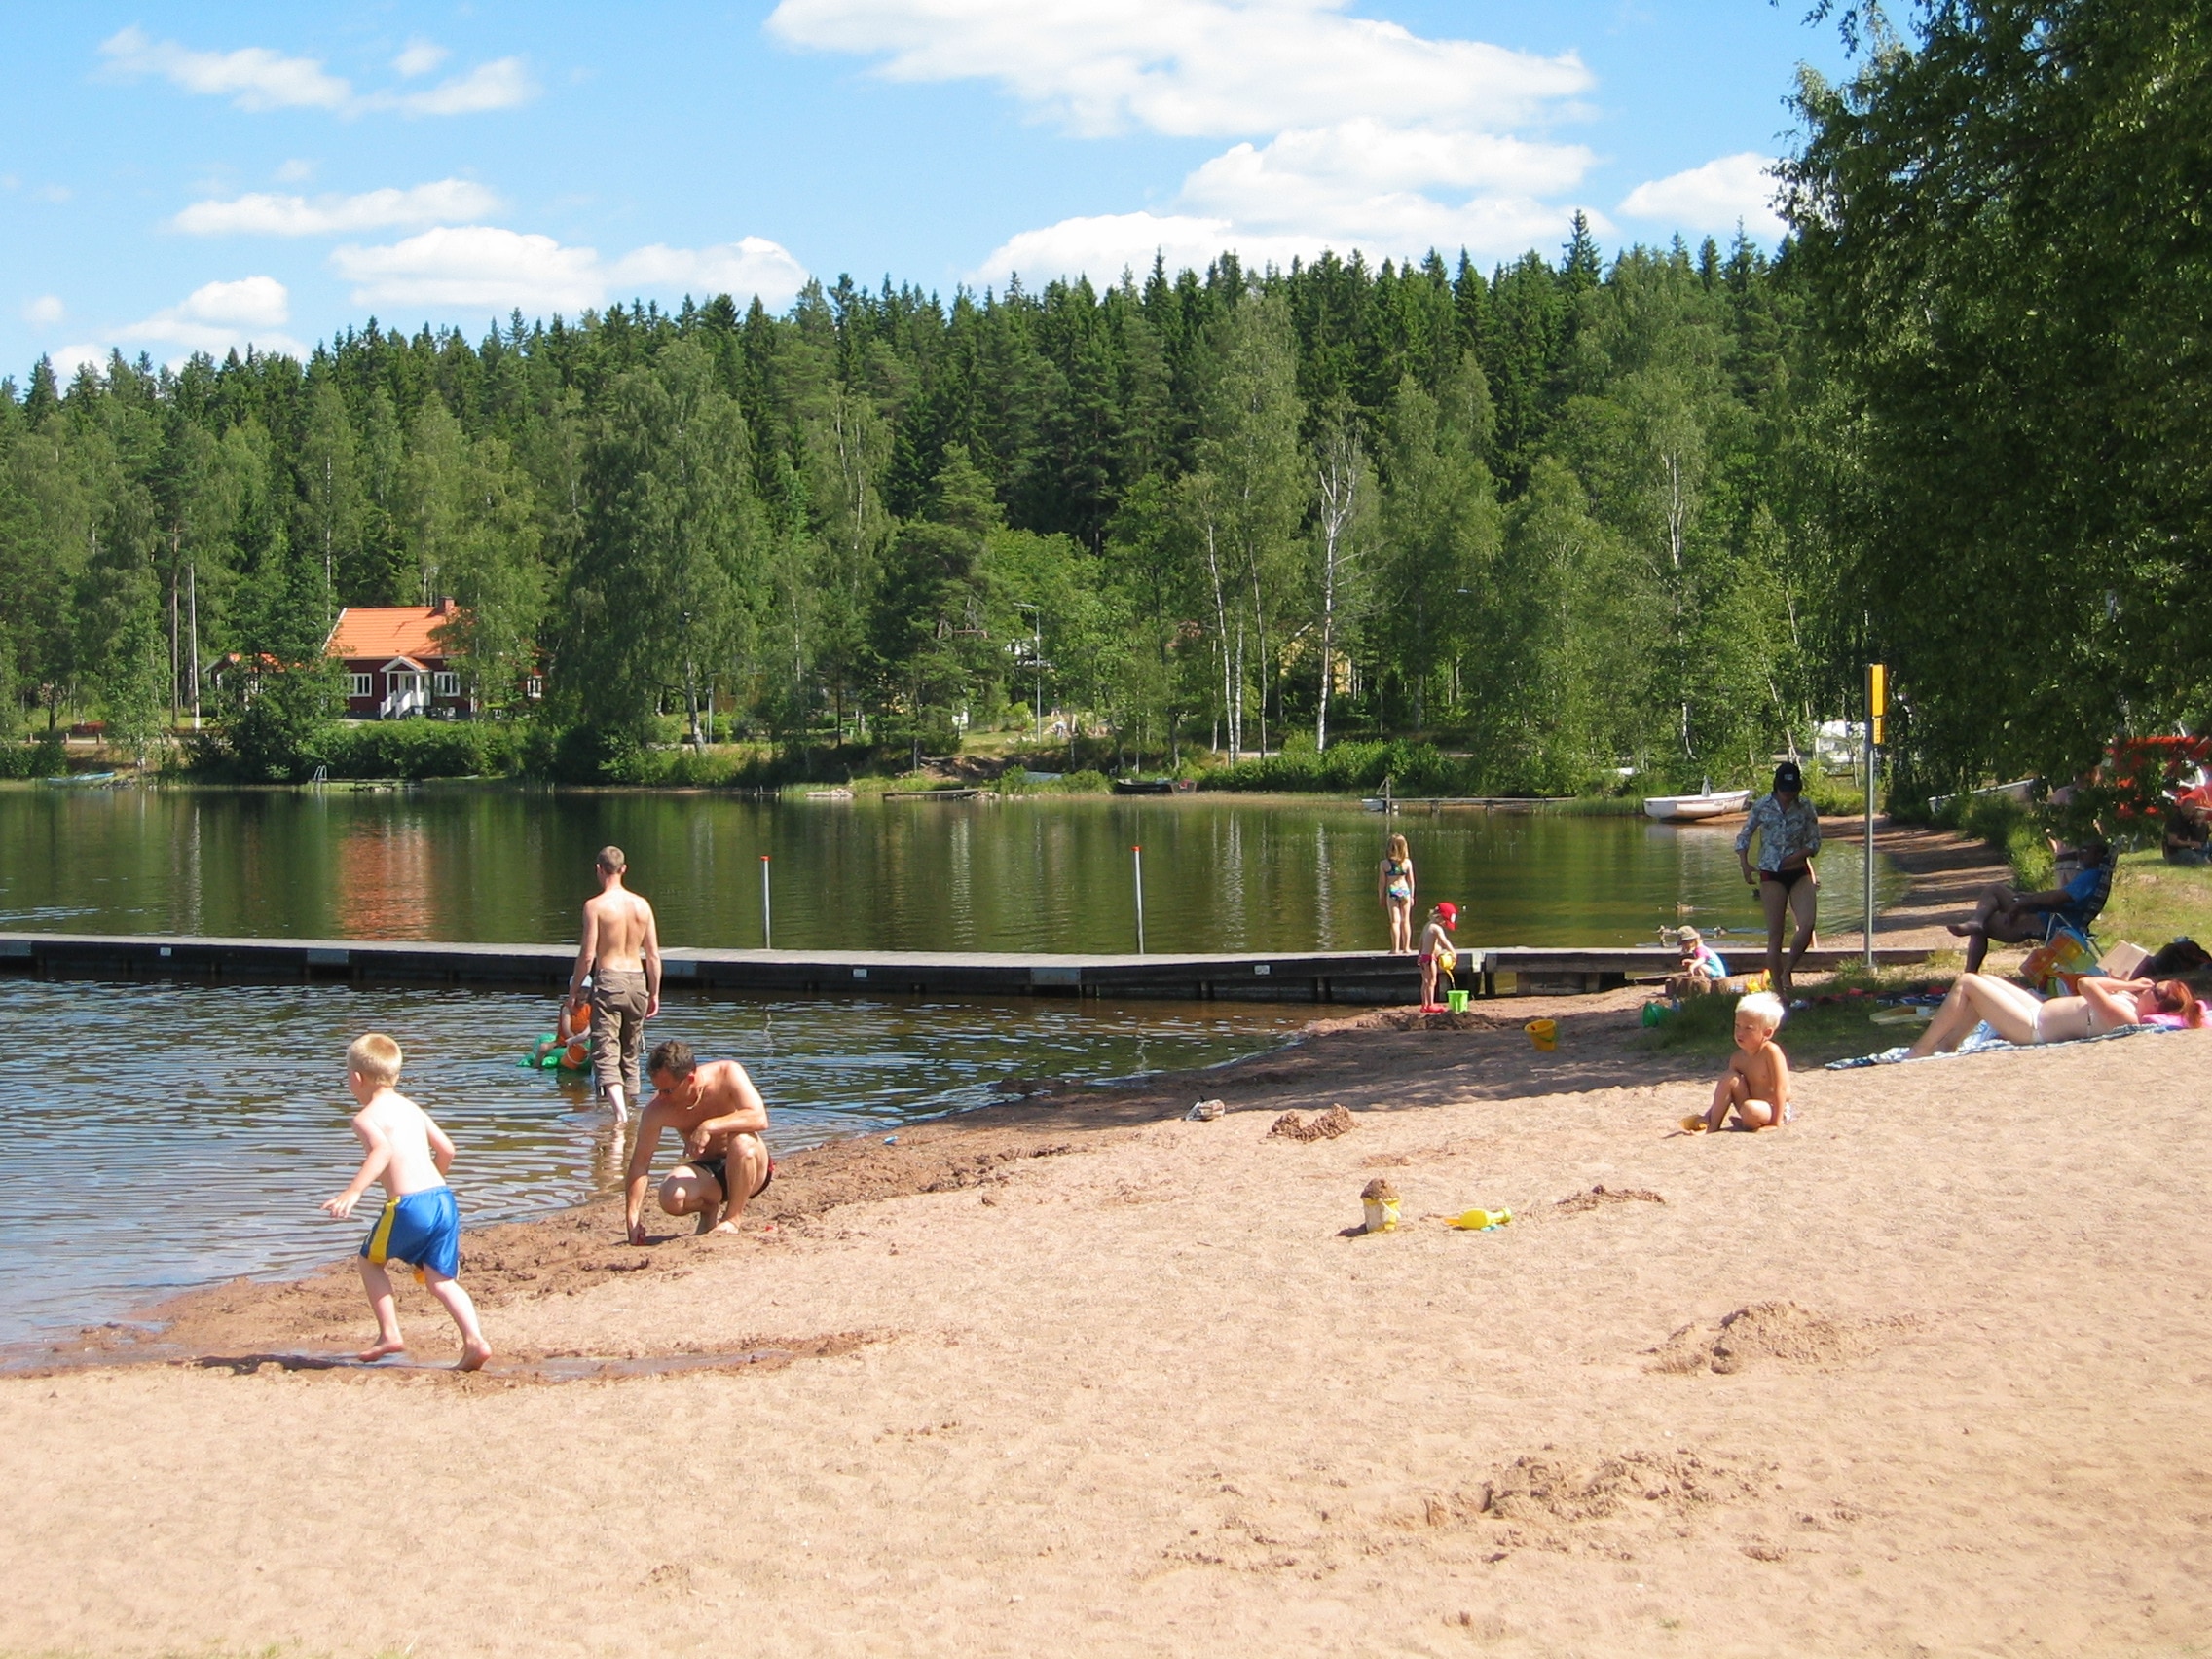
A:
(1757, 1084)
(410, 1154)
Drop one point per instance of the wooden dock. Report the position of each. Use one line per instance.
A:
(1319, 977)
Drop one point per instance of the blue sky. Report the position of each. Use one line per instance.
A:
(190, 176)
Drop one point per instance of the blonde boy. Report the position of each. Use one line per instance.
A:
(420, 1224)
(1756, 1086)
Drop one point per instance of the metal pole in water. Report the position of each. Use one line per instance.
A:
(1138, 853)
(767, 932)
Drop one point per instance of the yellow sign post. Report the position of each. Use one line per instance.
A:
(1877, 707)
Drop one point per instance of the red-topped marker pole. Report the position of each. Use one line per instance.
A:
(767, 932)
(1138, 853)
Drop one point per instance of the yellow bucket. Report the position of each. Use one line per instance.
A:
(1544, 1033)
(1382, 1214)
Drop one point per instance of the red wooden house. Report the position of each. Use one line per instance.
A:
(395, 666)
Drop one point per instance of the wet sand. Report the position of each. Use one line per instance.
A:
(1929, 1371)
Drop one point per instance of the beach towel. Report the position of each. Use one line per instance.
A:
(1983, 1040)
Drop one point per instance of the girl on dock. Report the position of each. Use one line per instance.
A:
(1394, 883)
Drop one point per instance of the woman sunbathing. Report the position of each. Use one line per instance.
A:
(2021, 1016)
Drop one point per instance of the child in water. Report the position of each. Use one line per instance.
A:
(420, 1224)
(1438, 956)
(571, 1039)
(1756, 1086)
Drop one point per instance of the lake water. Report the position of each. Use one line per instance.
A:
(160, 1135)
(499, 864)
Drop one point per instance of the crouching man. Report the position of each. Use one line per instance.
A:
(721, 1118)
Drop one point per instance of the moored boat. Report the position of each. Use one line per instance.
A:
(1697, 809)
(1153, 785)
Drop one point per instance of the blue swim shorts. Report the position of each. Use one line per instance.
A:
(423, 1228)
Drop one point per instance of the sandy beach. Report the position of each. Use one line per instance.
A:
(1927, 1372)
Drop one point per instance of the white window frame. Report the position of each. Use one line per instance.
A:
(533, 685)
(445, 683)
(360, 685)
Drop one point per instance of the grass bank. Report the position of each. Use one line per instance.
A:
(1839, 1023)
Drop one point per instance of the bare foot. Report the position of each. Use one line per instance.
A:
(381, 1350)
(706, 1223)
(473, 1355)
(1959, 928)
(727, 1226)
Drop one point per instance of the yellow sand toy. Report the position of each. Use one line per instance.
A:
(1380, 1199)
(1480, 1220)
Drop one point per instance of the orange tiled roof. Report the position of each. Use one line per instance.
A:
(384, 632)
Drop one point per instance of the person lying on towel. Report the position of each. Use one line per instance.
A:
(2019, 1016)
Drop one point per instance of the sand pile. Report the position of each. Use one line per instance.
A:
(1775, 1333)
(1322, 1126)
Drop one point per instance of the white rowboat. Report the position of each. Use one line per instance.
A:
(1697, 809)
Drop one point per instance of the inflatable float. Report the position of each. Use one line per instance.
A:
(566, 1046)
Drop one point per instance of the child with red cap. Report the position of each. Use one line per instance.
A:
(1438, 956)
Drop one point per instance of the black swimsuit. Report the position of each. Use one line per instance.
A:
(719, 1169)
(1787, 877)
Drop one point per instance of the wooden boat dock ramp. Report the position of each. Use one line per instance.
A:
(1356, 976)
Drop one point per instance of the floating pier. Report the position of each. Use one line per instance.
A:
(1365, 976)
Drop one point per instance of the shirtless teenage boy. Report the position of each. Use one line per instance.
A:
(620, 949)
(405, 1150)
(722, 1119)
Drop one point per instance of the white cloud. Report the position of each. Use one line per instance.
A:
(265, 215)
(1717, 197)
(1189, 68)
(254, 77)
(219, 316)
(70, 358)
(1386, 191)
(474, 266)
(295, 172)
(46, 311)
(1334, 171)
(1358, 134)
(484, 267)
(419, 58)
(753, 265)
(501, 84)
(1106, 245)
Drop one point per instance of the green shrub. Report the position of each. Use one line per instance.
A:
(2015, 831)
(40, 759)
(1835, 795)
(423, 749)
(1086, 782)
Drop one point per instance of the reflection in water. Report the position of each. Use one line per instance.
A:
(172, 1134)
(386, 884)
(474, 864)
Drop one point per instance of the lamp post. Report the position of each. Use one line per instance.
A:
(1037, 660)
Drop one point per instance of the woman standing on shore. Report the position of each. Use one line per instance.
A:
(1789, 832)
(1394, 883)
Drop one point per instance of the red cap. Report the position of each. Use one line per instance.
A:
(1450, 913)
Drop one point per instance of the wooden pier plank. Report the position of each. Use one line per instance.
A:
(1329, 976)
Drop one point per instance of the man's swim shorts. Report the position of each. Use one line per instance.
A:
(423, 1228)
